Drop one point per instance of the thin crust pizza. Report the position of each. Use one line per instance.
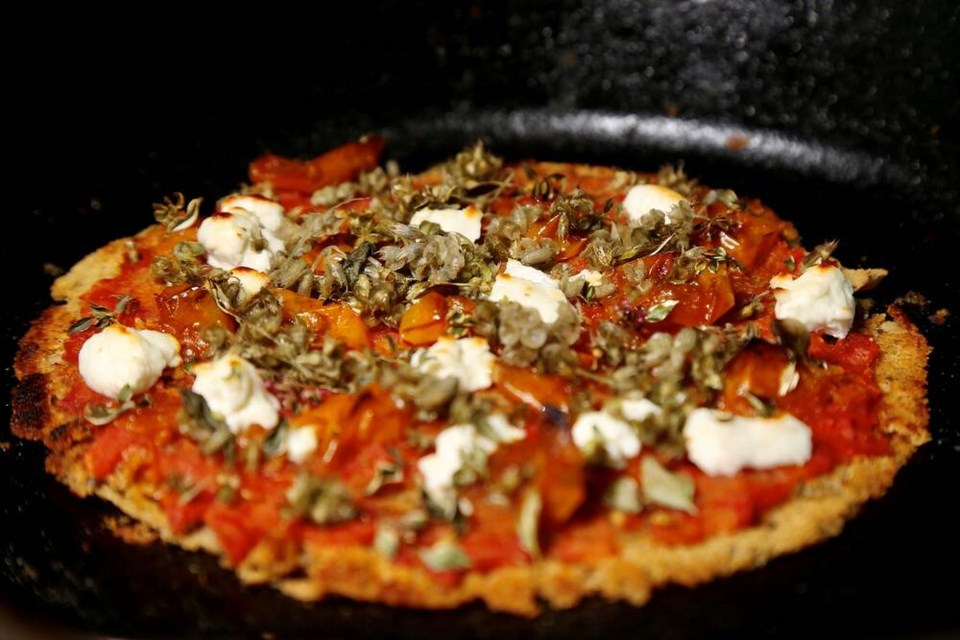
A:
(524, 383)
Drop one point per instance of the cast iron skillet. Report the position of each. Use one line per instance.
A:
(850, 118)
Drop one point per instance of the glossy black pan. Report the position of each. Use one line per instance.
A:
(843, 118)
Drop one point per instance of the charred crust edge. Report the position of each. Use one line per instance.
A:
(29, 407)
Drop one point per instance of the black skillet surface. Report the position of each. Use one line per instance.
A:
(851, 119)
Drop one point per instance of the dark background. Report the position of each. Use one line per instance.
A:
(850, 112)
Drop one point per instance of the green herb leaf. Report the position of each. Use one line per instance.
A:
(386, 541)
(660, 311)
(661, 487)
(82, 324)
(226, 494)
(101, 414)
(386, 472)
(623, 494)
(172, 213)
(820, 253)
(528, 522)
(199, 423)
(764, 408)
(189, 491)
(101, 316)
(125, 393)
(445, 556)
(122, 304)
(793, 335)
(323, 500)
(274, 443)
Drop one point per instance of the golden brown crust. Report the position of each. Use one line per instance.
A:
(817, 512)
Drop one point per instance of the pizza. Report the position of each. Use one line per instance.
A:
(524, 383)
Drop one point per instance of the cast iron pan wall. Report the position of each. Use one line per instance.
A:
(850, 113)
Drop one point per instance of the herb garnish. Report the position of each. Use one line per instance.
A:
(172, 213)
(660, 311)
(666, 489)
(100, 316)
(101, 414)
(323, 500)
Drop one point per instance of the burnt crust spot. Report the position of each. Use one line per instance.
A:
(29, 407)
(27, 354)
(58, 433)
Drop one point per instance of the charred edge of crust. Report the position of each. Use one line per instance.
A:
(29, 407)
(29, 352)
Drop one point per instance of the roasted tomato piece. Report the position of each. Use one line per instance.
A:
(759, 231)
(338, 320)
(185, 310)
(562, 482)
(108, 448)
(535, 389)
(182, 516)
(489, 550)
(699, 302)
(345, 325)
(232, 531)
(347, 422)
(425, 320)
(339, 165)
(585, 541)
(352, 533)
(761, 370)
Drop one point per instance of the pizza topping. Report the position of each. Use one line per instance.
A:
(663, 488)
(323, 500)
(623, 494)
(590, 277)
(173, 215)
(460, 458)
(524, 339)
(233, 389)
(387, 472)
(183, 265)
(267, 213)
(821, 299)
(466, 222)
(301, 443)
(403, 333)
(528, 522)
(446, 555)
(530, 288)
(643, 199)
(251, 282)
(721, 444)
(120, 358)
(238, 240)
(101, 316)
(467, 360)
(605, 439)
